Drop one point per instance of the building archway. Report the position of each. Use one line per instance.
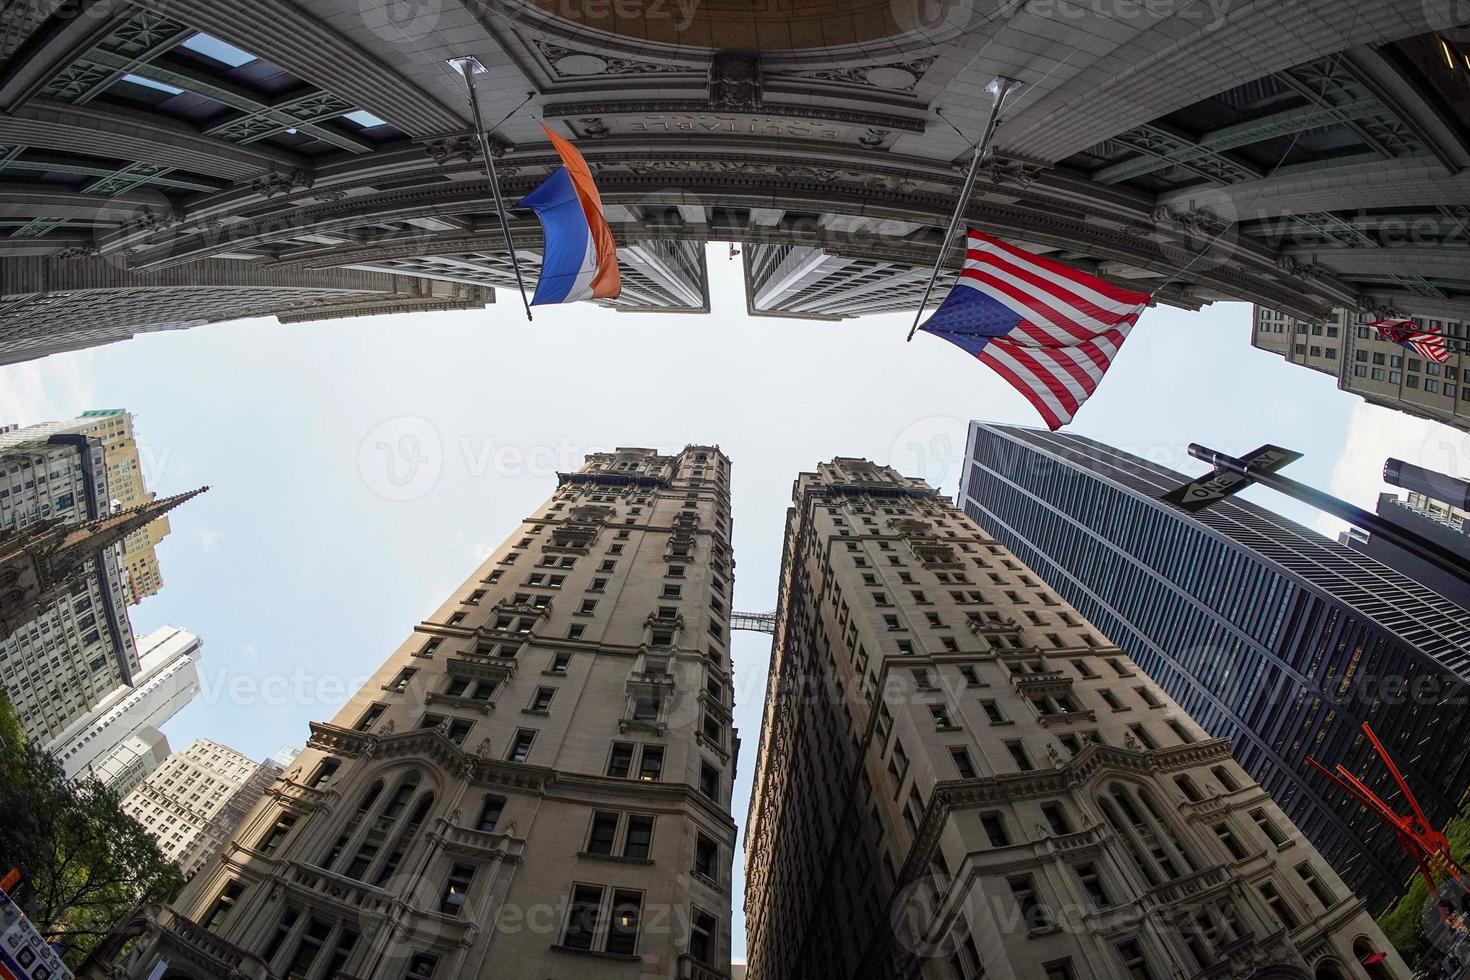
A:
(1370, 959)
(1329, 970)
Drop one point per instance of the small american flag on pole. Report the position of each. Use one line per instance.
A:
(1427, 341)
(1050, 330)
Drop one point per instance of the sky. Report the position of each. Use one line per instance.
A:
(319, 545)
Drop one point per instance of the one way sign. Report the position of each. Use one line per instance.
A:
(1201, 493)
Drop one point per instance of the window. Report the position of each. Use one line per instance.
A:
(709, 781)
(1230, 841)
(1059, 970)
(222, 905)
(1149, 697)
(490, 813)
(706, 858)
(541, 703)
(622, 931)
(993, 712)
(370, 717)
(346, 941)
(313, 938)
(1056, 818)
(1023, 888)
(962, 763)
(1316, 885)
(421, 966)
(702, 937)
(275, 835)
(1111, 699)
(520, 747)
(399, 684)
(1092, 884)
(972, 678)
(324, 773)
(1226, 778)
(559, 664)
(940, 714)
(283, 931)
(995, 829)
(651, 763)
(620, 762)
(1019, 755)
(1279, 906)
(1183, 734)
(456, 887)
(638, 842)
(582, 927)
(1188, 788)
(604, 833)
(1145, 738)
(1131, 953)
(1268, 827)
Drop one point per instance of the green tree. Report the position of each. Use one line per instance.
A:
(87, 865)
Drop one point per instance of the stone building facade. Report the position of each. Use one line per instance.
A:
(1344, 347)
(193, 802)
(279, 148)
(960, 777)
(535, 784)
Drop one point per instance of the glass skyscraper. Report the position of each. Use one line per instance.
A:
(1264, 631)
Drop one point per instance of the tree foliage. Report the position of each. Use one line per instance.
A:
(86, 864)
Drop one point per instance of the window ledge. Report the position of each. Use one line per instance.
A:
(614, 858)
(598, 953)
(538, 712)
(553, 673)
(948, 728)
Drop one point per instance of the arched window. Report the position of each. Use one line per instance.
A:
(399, 800)
(358, 815)
(1371, 959)
(405, 838)
(1110, 813)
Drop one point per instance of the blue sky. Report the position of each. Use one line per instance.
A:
(302, 573)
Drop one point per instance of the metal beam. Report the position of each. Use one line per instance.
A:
(259, 119)
(130, 45)
(1159, 147)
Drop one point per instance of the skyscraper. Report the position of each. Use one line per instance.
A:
(101, 742)
(1267, 633)
(125, 482)
(1381, 372)
(1433, 519)
(193, 802)
(535, 784)
(80, 647)
(961, 777)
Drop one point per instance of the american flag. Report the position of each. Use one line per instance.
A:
(1427, 341)
(1050, 330)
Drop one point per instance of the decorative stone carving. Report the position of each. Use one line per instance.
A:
(1196, 220)
(594, 128)
(896, 76)
(78, 252)
(874, 137)
(1298, 269)
(570, 63)
(735, 82)
(443, 148)
(276, 182)
(483, 749)
(1004, 170)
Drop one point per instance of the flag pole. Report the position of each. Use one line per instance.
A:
(472, 67)
(999, 88)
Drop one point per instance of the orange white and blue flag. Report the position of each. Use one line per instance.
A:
(580, 260)
(1050, 330)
